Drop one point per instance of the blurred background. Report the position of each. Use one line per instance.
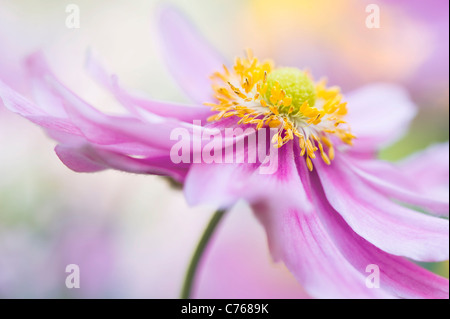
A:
(132, 236)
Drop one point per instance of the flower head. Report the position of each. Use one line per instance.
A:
(326, 224)
(286, 99)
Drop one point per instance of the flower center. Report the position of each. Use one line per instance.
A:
(294, 83)
(288, 99)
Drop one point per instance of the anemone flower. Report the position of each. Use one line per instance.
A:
(333, 213)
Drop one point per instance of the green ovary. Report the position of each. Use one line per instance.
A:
(295, 83)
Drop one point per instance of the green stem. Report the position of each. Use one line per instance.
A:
(199, 251)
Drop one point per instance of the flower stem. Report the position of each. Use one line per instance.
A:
(199, 251)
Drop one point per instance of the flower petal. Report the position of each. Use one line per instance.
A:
(77, 160)
(87, 158)
(61, 129)
(20, 105)
(138, 104)
(189, 56)
(300, 240)
(398, 276)
(393, 228)
(431, 168)
(97, 127)
(410, 183)
(223, 184)
(93, 141)
(379, 115)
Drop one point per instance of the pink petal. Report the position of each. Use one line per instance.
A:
(430, 167)
(409, 184)
(189, 56)
(86, 158)
(393, 228)
(398, 276)
(78, 161)
(20, 105)
(138, 105)
(379, 115)
(17, 103)
(97, 127)
(121, 143)
(300, 240)
(224, 184)
(46, 100)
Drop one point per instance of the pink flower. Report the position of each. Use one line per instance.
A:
(330, 210)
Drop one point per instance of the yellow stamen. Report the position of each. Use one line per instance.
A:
(285, 98)
(309, 164)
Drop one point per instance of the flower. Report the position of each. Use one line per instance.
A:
(330, 210)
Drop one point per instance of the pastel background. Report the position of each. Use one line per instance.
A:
(131, 235)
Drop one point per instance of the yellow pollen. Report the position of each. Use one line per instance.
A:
(286, 99)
